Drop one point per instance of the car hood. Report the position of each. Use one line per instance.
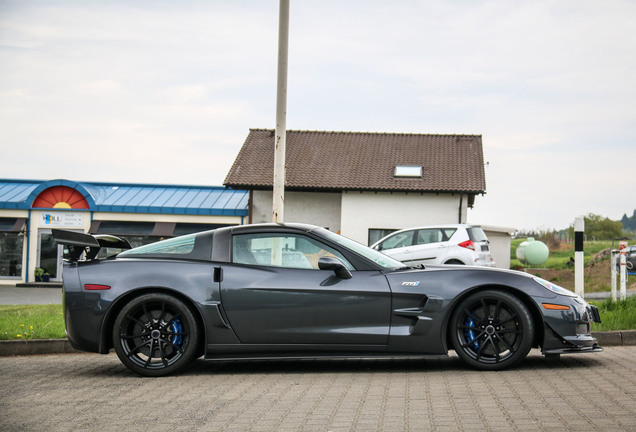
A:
(457, 278)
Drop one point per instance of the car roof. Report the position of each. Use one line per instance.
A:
(265, 227)
(438, 226)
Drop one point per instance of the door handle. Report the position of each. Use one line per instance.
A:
(218, 274)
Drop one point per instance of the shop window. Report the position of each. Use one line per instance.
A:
(11, 244)
(137, 233)
(132, 228)
(6, 224)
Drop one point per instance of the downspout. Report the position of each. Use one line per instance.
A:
(461, 201)
(250, 209)
(28, 242)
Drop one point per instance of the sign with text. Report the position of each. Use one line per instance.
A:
(62, 219)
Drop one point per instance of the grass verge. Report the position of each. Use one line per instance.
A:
(616, 315)
(31, 322)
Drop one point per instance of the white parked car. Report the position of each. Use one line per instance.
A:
(438, 244)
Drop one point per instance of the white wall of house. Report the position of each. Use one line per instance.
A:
(362, 211)
(317, 208)
(353, 213)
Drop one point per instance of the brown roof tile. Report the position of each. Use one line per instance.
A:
(362, 161)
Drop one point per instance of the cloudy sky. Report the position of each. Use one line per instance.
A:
(165, 92)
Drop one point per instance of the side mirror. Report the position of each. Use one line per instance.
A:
(332, 263)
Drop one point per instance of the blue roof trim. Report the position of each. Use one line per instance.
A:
(134, 198)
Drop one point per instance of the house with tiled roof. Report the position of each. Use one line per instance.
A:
(363, 185)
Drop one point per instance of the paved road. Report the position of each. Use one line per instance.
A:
(89, 392)
(13, 295)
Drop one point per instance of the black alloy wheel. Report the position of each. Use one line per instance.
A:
(155, 335)
(492, 330)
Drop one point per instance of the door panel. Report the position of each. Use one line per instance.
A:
(274, 305)
(429, 247)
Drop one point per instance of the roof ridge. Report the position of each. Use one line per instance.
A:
(369, 133)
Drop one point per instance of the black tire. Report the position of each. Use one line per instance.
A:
(491, 330)
(155, 335)
(455, 262)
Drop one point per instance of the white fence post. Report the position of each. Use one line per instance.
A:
(579, 281)
(622, 246)
(613, 259)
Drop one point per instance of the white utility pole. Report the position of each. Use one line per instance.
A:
(278, 201)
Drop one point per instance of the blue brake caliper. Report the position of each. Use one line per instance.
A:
(470, 334)
(176, 328)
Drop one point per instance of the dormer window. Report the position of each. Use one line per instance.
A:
(408, 171)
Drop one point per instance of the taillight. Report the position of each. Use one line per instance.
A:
(468, 244)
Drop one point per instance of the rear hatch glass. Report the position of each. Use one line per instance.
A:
(476, 234)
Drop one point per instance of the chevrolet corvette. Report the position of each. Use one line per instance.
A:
(297, 291)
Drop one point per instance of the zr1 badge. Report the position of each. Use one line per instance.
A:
(411, 283)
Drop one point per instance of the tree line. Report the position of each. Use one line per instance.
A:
(597, 227)
(629, 223)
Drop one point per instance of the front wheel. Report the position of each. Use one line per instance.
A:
(492, 330)
(155, 335)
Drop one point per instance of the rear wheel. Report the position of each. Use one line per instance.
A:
(492, 330)
(155, 335)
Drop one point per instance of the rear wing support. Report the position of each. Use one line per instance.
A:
(79, 244)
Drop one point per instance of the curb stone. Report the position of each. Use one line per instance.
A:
(614, 338)
(63, 346)
(35, 346)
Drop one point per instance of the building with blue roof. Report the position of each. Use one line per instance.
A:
(142, 213)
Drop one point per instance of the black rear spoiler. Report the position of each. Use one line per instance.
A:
(79, 243)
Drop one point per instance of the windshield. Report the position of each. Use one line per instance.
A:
(370, 254)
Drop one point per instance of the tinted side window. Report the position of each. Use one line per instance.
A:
(447, 233)
(399, 240)
(426, 236)
(281, 250)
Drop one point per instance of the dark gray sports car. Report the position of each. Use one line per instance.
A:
(274, 291)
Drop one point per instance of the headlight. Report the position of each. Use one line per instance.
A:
(554, 288)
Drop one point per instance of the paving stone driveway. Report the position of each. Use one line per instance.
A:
(91, 392)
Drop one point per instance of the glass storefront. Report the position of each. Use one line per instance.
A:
(49, 255)
(11, 245)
